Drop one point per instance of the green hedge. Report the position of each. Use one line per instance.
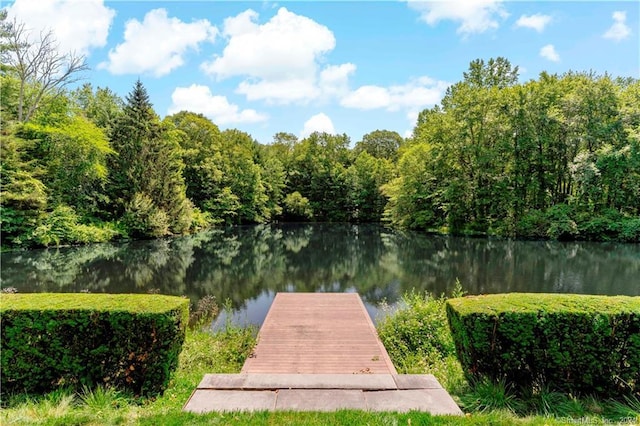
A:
(73, 340)
(571, 343)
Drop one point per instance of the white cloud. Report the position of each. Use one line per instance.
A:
(536, 22)
(474, 16)
(318, 123)
(334, 79)
(280, 59)
(416, 94)
(367, 97)
(78, 25)
(199, 99)
(549, 52)
(279, 91)
(619, 30)
(157, 44)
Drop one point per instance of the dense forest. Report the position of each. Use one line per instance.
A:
(556, 157)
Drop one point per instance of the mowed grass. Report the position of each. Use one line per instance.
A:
(417, 340)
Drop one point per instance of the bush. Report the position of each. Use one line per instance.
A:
(418, 328)
(561, 225)
(629, 230)
(569, 343)
(62, 227)
(143, 219)
(85, 340)
(297, 207)
(532, 224)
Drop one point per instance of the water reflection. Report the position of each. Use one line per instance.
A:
(248, 265)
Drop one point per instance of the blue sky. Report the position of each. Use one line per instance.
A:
(342, 67)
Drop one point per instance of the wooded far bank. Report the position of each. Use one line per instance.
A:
(554, 157)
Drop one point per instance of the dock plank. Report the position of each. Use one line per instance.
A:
(318, 333)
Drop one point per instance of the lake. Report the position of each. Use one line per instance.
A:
(249, 264)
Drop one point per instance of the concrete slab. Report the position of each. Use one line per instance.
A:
(205, 401)
(434, 401)
(320, 400)
(416, 381)
(222, 381)
(319, 381)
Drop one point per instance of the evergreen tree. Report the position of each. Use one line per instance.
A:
(146, 184)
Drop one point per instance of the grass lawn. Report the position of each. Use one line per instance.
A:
(417, 340)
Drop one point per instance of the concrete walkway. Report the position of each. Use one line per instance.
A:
(321, 392)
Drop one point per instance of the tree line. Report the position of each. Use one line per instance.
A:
(556, 157)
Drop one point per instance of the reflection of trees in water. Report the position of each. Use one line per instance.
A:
(493, 266)
(240, 263)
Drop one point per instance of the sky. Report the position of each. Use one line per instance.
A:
(335, 66)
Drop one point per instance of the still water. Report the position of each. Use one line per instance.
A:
(248, 265)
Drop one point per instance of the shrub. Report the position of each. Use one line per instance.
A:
(561, 225)
(85, 340)
(630, 230)
(297, 207)
(143, 218)
(569, 343)
(533, 224)
(62, 226)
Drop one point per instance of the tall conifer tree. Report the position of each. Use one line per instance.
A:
(146, 183)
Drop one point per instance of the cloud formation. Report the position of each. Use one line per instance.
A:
(280, 60)
(170, 37)
(78, 26)
(536, 22)
(474, 16)
(199, 99)
(619, 30)
(318, 123)
(549, 52)
(414, 95)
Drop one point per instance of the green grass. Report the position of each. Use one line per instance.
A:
(418, 340)
(226, 350)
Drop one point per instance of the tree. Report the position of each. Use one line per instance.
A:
(102, 107)
(318, 172)
(23, 197)
(146, 183)
(380, 144)
(72, 156)
(365, 177)
(39, 66)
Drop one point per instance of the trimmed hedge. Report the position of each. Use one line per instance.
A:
(570, 343)
(73, 340)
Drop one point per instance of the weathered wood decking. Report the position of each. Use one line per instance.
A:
(318, 333)
(319, 352)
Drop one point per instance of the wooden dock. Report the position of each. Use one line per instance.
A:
(319, 352)
(318, 333)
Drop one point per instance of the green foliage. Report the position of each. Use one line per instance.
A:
(561, 225)
(568, 343)
(101, 107)
(62, 226)
(142, 218)
(146, 182)
(297, 207)
(419, 328)
(365, 177)
(72, 154)
(487, 396)
(380, 144)
(318, 172)
(533, 160)
(74, 340)
(418, 340)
